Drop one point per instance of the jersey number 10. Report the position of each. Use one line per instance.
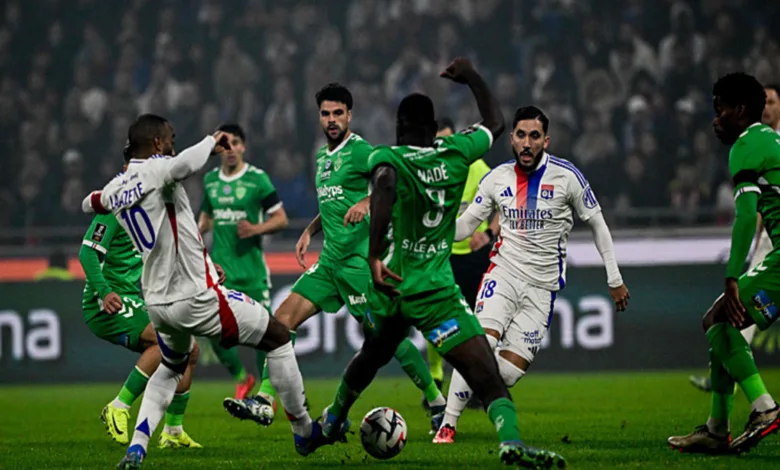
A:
(141, 230)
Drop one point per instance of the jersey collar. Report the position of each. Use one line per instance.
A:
(743, 134)
(231, 178)
(340, 146)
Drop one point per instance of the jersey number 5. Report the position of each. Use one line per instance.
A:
(433, 217)
(140, 228)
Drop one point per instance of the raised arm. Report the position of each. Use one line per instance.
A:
(462, 71)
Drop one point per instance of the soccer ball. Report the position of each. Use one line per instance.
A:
(383, 433)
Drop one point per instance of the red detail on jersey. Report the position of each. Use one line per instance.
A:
(521, 187)
(228, 321)
(209, 280)
(97, 206)
(290, 416)
(170, 208)
(496, 246)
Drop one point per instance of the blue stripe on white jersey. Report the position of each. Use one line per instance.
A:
(569, 166)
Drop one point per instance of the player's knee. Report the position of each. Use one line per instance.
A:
(510, 372)
(276, 335)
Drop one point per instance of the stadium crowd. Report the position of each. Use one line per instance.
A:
(626, 85)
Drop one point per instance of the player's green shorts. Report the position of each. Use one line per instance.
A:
(442, 316)
(330, 287)
(123, 328)
(759, 290)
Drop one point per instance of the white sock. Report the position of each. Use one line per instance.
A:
(286, 378)
(457, 398)
(719, 428)
(158, 395)
(117, 403)
(763, 403)
(748, 333)
(174, 430)
(439, 401)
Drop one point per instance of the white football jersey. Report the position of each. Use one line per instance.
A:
(535, 213)
(153, 208)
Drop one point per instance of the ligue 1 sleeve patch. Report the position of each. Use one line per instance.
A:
(99, 233)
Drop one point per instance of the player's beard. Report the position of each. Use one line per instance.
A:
(338, 139)
(533, 165)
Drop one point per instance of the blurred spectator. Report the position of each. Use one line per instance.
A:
(292, 183)
(625, 84)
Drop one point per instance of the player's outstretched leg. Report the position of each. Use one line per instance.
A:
(475, 360)
(731, 356)
(245, 382)
(159, 393)
(703, 383)
(116, 414)
(173, 435)
(413, 364)
(436, 366)
(376, 352)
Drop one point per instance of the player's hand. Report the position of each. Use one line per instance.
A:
(246, 229)
(112, 303)
(380, 272)
(301, 247)
(357, 213)
(458, 70)
(220, 273)
(620, 296)
(478, 241)
(734, 308)
(223, 142)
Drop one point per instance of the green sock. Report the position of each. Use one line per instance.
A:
(503, 415)
(731, 349)
(174, 415)
(229, 358)
(133, 387)
(345, 398)
(436, 363)
(413, 364)
(722, 391)
(265, 386)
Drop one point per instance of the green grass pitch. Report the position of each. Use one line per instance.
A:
(616, 420)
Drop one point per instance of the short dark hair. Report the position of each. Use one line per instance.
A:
(446, 123)
(234, 129)
(774, 87)
(142, 132)
(334, 92)
(742, 89)
(416, 110)
(525, 113)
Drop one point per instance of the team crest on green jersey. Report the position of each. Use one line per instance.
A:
(240, 192)
(337, 163)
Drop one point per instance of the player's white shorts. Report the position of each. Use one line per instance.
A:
(232, 316)
(516, 309)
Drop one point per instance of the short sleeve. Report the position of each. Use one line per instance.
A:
(100, 233)
(266, 192)
(581, 196)
(380, 156)
(472, 142)
(483, 204)
(744, 166)
(360, 157)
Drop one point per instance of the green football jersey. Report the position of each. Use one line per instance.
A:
(754, 163)
(429, 188)
(247, 195)
(342, 181)
(122, 264)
